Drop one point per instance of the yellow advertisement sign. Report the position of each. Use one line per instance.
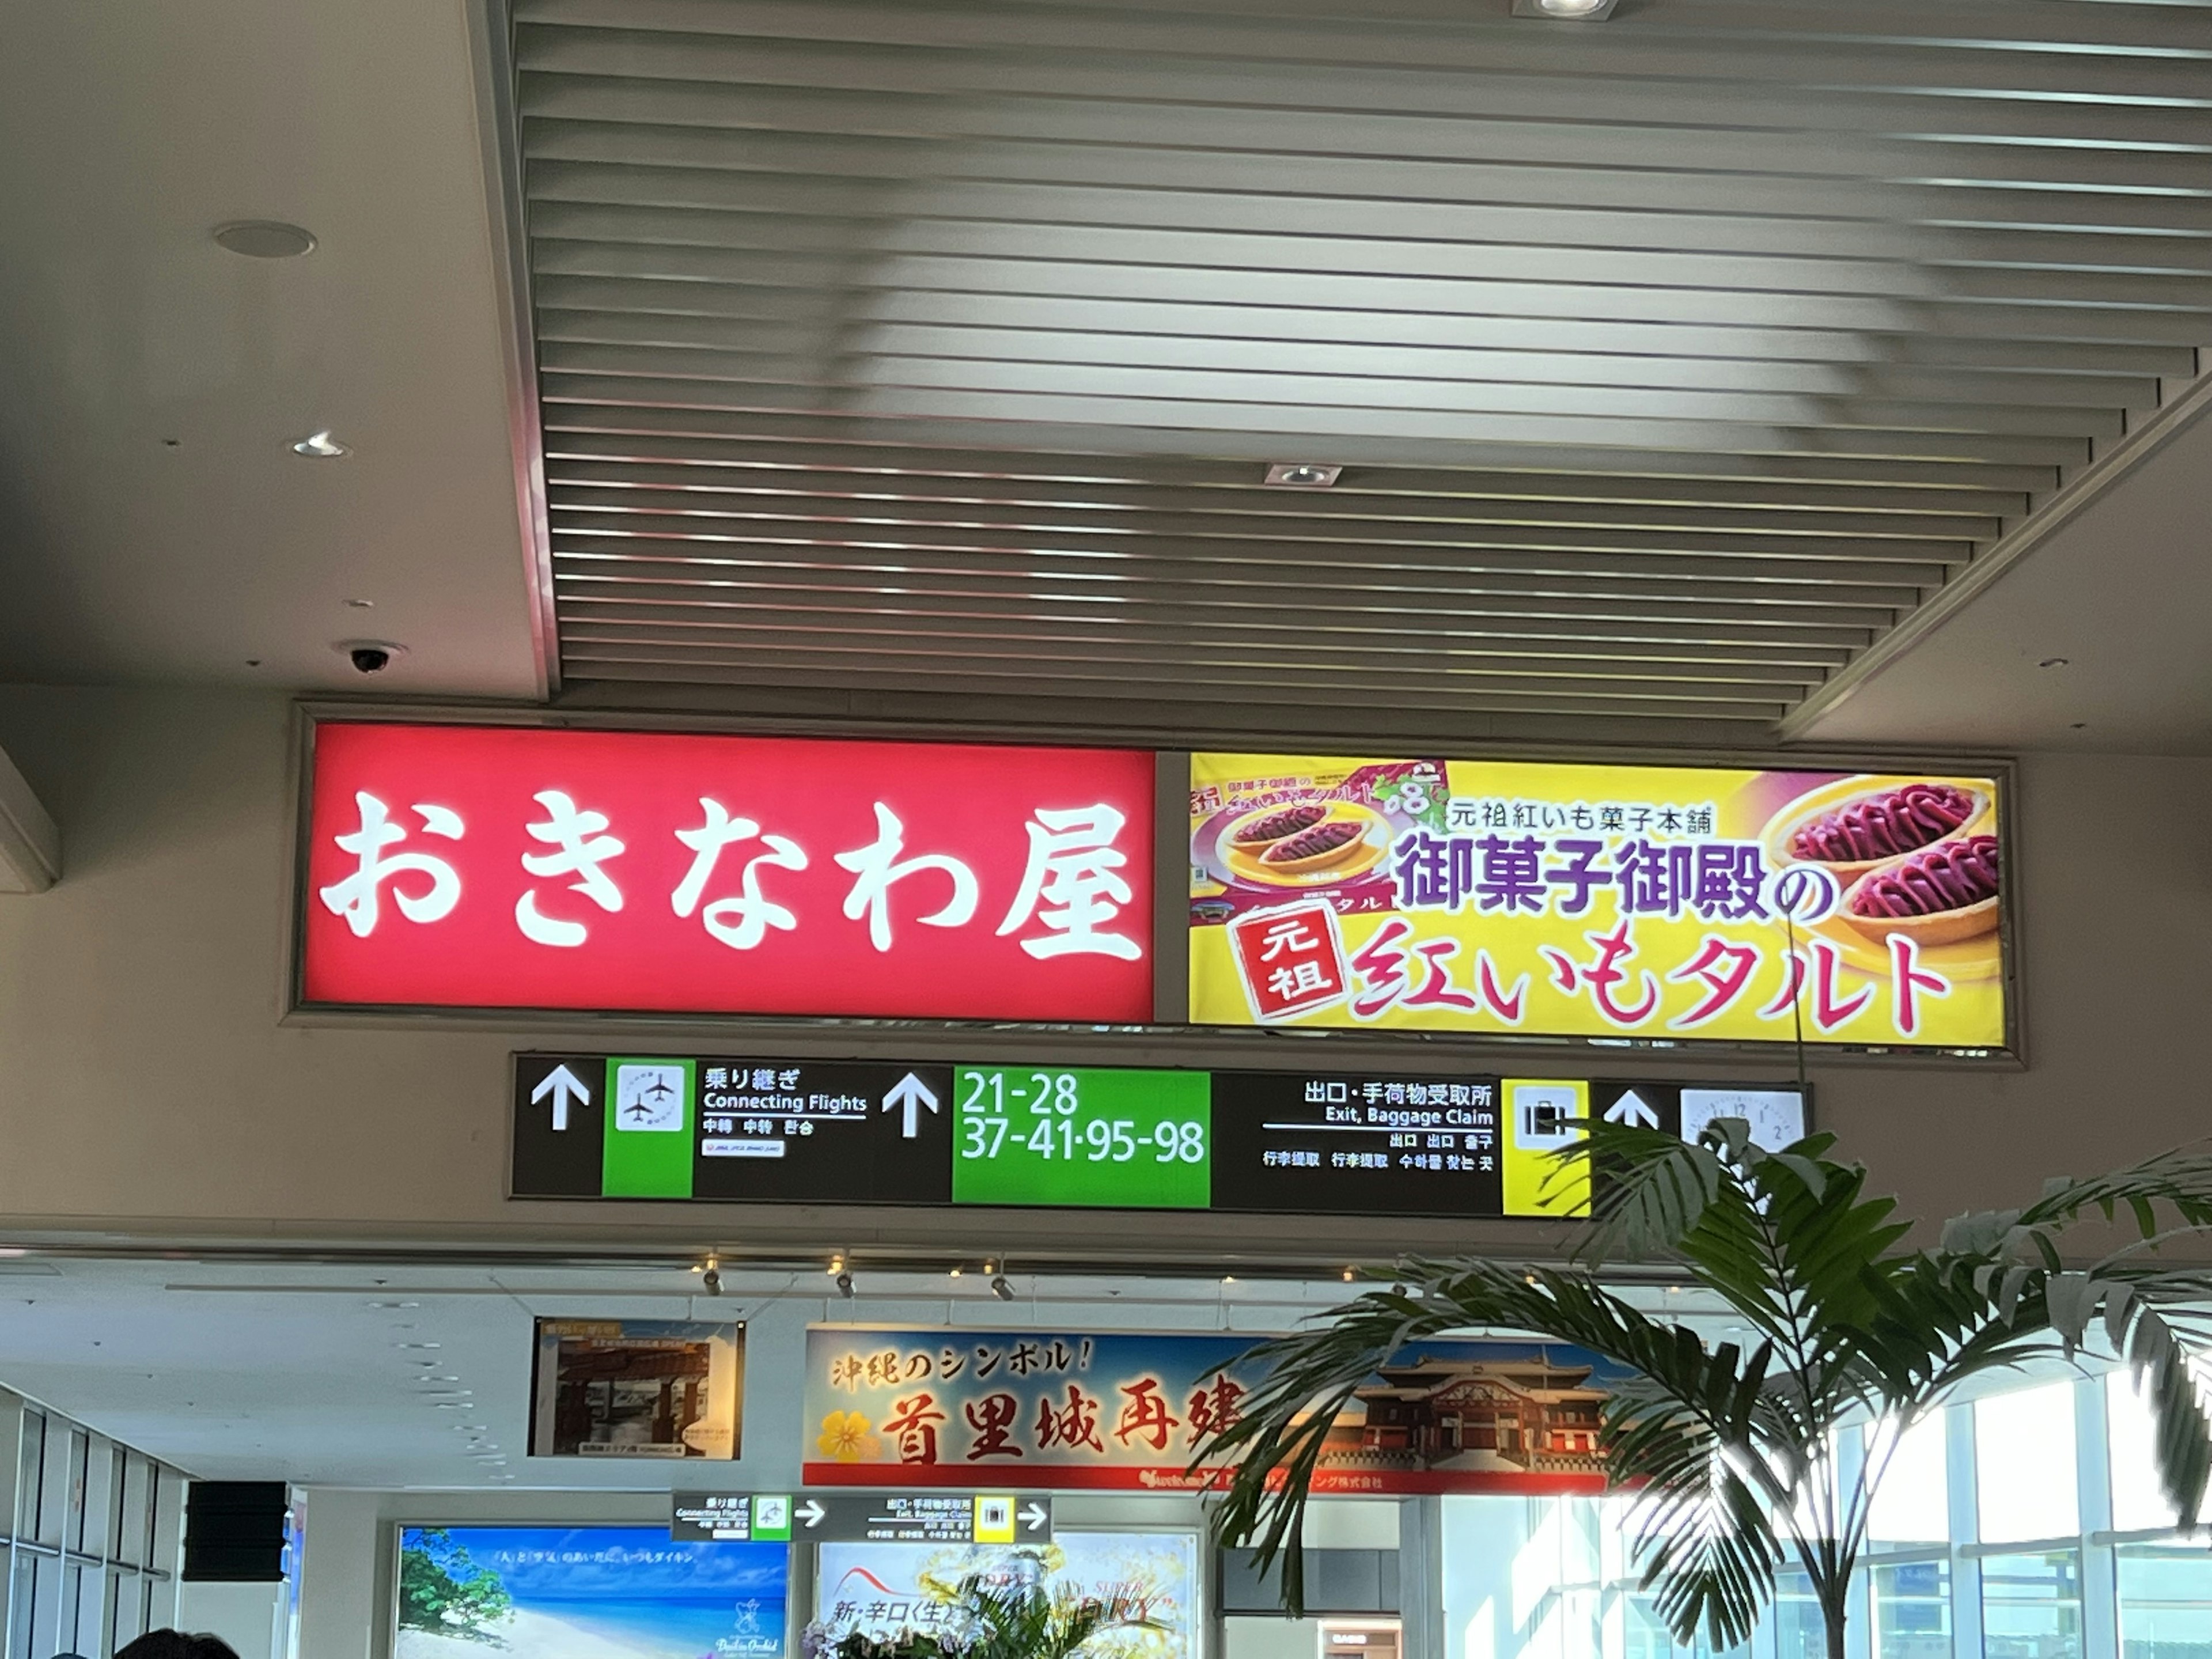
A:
(1548, 899)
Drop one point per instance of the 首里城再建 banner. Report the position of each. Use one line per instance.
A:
(1587, 900)
(898, 1408)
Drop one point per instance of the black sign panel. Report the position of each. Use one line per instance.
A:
(825, 1131)
(770, 1130)
(780, 1131)
(1294, 1143)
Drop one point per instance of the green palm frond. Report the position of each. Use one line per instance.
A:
(1729, 1447)
(1028, 1621)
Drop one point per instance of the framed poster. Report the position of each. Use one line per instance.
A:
(1670, 904)
(636, 1388)
(620, 1592)
(883, 1591)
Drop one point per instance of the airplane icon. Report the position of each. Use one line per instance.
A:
(650, 1096)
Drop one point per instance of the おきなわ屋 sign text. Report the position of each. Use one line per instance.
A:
(523, 867)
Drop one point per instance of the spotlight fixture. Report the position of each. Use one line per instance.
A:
(955, 1274)
(1302, 475)
(844, 1282)
(1565, 11)
(1349, 1275)
(320, 446)
(711, 1281)
(1000, 1288)
(264, 238)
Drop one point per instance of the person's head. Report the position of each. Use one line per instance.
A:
(176, 1644)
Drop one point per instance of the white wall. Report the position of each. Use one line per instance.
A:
(149, 1089)
(250, 1617)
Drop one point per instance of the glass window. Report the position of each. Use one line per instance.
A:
(115, 1503)
(72, 1587)
(1645, 1634)
(47, 1571)
(2024, 1464)
(1799, 1631)
(91, 1595)
(2166, 1601)
(130, 1609)
(2138, 1505)
(160, 1605)
(21, 1603)
(80, 1470)
(27, 1480)
(1912, 1503)
(54, 1483)
(136, 1517)
(1913, 1610)
(2031, 1605)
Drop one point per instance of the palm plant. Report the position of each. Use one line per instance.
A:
(1731, 1449)
(1021, 1620)
(1025, 1621)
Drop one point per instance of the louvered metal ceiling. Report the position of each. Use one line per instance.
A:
(1671, 360)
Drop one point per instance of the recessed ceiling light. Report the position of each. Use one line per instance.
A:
(320, 446)
(421, 1344)
(264, 238)
(370, 605)
(2052, 662)
(1304, 475)
(395, 1304)
(1580, 11)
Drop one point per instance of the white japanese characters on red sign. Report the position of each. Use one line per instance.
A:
(499, 867)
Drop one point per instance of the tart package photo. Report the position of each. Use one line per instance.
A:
(1564, 900)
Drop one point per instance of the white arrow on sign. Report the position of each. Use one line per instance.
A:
(910, 1093)
(811, 1512)
(563, 1085)
(1034, 1516)
(1632, 1109)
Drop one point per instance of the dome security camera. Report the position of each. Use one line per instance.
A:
(371, 656)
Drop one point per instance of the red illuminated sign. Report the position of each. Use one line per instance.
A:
(520, 867)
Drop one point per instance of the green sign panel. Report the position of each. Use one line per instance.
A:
(1115, 1139)
(649, 1127)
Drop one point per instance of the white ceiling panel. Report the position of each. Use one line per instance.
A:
(1673, 362)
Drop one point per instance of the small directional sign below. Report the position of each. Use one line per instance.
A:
(901, 1518)
(731, 1517)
